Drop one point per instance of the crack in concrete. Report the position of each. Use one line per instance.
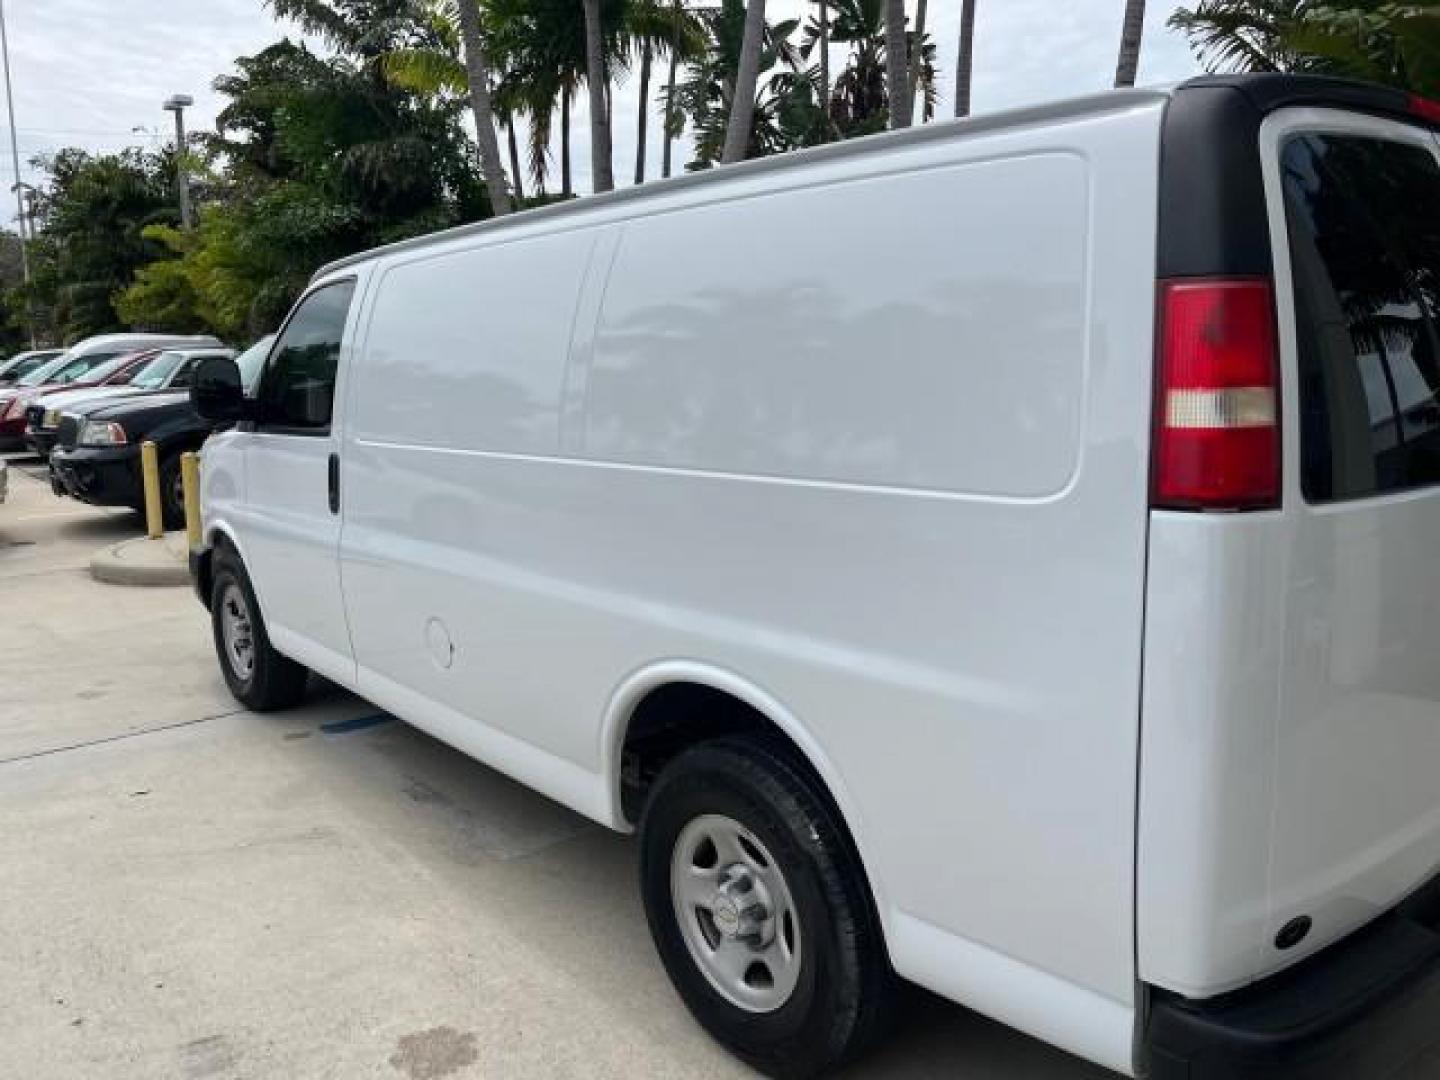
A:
(50, 751)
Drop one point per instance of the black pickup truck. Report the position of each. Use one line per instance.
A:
(96, 458)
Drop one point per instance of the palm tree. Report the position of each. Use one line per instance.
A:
(642, 121)
(596, 76)
(822, 27)
(859, 102)
(706, 94)
(658, 31)
(509, 102)
(965, 60)
(1131, 31)
(917, 52)
(896, 63)
(747, 74)
(1246, 35)
(477, 74)
(671, 113)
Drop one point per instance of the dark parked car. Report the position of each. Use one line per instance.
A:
(158, 369)
(87, 363)
(111, 375)
(96, 458)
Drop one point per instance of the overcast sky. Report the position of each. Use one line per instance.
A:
(89, 72)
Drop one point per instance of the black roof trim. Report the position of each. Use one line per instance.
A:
(1213, 220)
(1268, 92)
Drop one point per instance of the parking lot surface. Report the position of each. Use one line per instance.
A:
(191, 890)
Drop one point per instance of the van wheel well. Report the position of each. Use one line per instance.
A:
(676, 716)
(205, 568)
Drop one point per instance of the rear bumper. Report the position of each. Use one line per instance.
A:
(1360, 1010)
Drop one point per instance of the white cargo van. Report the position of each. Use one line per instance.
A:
(1000, 555)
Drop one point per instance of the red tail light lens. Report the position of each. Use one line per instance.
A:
(1217, 414)
(1425, 108)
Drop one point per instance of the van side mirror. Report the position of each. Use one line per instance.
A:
(217, 392)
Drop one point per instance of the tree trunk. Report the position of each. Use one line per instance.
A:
(825, 57)
(515, 159)
(477, 74)
(670, 94)
(965, 61)
(896, 62)
(644, 119)
(742, 97)
(917, 55)
(566, 187)
(602, 178)
(1131, 31)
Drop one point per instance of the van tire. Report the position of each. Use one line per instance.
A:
(841, 999)
(272, 681)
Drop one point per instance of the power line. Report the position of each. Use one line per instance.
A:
(107, 132)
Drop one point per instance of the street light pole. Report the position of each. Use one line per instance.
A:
(176, 104)
(15, 161)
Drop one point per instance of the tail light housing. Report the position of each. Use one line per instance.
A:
(1217, 407)
(1425, 108)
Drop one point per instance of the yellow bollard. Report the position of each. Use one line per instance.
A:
(190, 481)
(150, 475)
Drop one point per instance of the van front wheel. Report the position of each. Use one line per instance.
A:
(759, 909)
(258, 676)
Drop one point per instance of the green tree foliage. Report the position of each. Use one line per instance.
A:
(93, 215)
(1386, 42)
(322, 151)
(316, 157)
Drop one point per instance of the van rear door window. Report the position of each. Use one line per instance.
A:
(1364, 223)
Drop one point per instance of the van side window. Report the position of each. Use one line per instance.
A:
(297, 390)
(1364, 223)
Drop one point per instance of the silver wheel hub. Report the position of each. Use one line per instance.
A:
(735, 913)
(236, 632)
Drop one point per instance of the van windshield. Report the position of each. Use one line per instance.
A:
(1364, 224)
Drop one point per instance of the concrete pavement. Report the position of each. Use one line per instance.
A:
(190, 890)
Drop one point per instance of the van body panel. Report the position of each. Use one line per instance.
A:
(858, 462)
(292, 537)
(1092, 1025)
(1214, 642)
(1357, 783)
(827, 392)
(1291, 741)
(863, 438)
(451, 527)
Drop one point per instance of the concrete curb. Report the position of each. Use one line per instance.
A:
(143, 561)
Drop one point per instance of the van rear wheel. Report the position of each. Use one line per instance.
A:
(759, 909)
(259, 677)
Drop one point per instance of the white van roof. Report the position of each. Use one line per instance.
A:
(1050, 112)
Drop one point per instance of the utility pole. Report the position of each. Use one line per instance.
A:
(15, 161)
(177, 104)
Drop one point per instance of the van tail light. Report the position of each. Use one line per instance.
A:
(1217, 406)
(1425, 108)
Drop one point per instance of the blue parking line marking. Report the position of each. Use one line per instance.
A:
(358, 723)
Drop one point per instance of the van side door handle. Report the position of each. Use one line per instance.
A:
(334, 471)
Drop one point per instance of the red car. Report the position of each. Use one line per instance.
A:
(96, 361)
